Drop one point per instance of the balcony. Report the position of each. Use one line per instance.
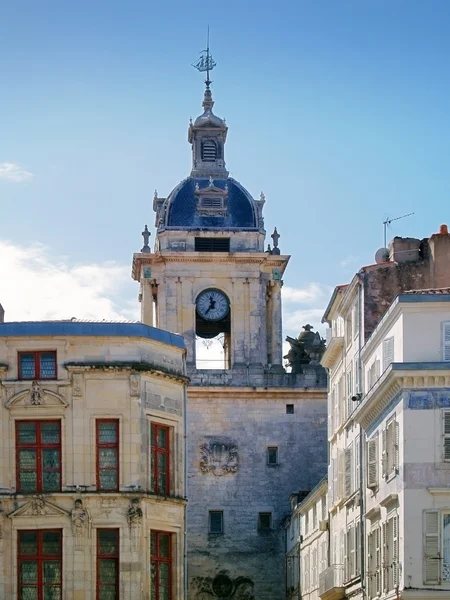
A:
(331, 583)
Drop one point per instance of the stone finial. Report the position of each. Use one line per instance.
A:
(262, 197)
(146, 235)
(269, 249)
(155, 194)
(275, 237)
(443, 229)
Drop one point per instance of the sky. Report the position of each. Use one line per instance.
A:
(337, 110)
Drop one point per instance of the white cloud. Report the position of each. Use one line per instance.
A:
(304, 306)
(35, 286)
(348, 261)
(14, 172)
(311, 293)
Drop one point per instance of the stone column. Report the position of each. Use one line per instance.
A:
(276, 324)
(147, 303)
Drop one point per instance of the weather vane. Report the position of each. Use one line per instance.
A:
(205, 63)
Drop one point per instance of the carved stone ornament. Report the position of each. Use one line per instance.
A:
(77, 384)
(36, 395)
(38, 507)
(219, 458)
(135, 385)
(222, 587)
(78, 517)
(134, 513)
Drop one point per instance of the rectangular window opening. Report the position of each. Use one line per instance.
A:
(272, 455)
(37, 365)
(38, 456)
(265, 521)
(161, 567)
(107, 564)
(107, 437)
(204, 244)
(289, 409)
(160, 459)
(216, 522)
(40, 564)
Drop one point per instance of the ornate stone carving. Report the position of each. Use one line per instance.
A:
(36, 395)
(222, 587)
(307, 349)
(135, 385)
(219, 458)
(78, 517)
(134, 513)
(77, 384)
(37, 507)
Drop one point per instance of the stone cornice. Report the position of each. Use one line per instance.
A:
(141, 367)
(259, 392)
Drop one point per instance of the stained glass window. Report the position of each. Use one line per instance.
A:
(38, 456)
(107, 564)
(37, 365)
(160, 459)
(108, 454)
(40, 558)
(161, 565)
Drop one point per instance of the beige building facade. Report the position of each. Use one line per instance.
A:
(92, 462)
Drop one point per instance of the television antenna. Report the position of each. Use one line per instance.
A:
(205, 63)
(389, 220)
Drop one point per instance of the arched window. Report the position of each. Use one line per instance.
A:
(209, 151)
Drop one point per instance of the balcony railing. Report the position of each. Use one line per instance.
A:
(331, 583)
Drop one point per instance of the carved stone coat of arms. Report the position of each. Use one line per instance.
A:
(219, 458)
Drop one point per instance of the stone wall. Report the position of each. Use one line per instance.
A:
(227, 470)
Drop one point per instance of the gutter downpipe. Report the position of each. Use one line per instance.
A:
(185, 486)
(361, 444)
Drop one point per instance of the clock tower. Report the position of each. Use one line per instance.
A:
(256, 433)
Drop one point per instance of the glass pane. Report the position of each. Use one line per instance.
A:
(108, 593)
(29, 594)
(107, 570)
(51, 481)
(108, 480)
(52, 593)
(27, 543)
(107, 457)
(52, 571)
(163, 593)
(51, 543)
(50, 459)
(107, 433)
(153, 471)
(162, 482)
(154, 432)
(153, 540)
(215, 522)
(107, 541)
(28, 572)
(48, 365)
(164, 545)
(27, 433)
(27, 481)
(50, 433)
(163, 574)
(162, 463)
(27, 459)
(153, 570)
(162, 437)
(27, 370)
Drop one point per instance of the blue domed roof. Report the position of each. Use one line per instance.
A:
(182, 206)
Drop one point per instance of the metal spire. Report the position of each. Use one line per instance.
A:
(205, 64)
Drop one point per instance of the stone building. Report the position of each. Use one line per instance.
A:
(353, 314)
(255, 431)
(92, 461)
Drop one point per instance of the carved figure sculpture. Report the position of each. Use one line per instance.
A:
(78, 517)
(38, 505)
(134, 513)
(307, 349)
(35, 393)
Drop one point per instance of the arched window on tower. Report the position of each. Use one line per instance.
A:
(209, 151)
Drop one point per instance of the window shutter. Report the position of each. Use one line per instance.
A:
(369, 564)
(446, 435)
(335, 479)
(358, 548)
(394, 552)
(432, 562)
(348, 471)
(346, 556)
(357, 463)
(352, 553)
(388, 352)
(384, 453)
(341, 467)
(446, 340)
(385, 558)
(372, 459)
(396, 446)
(378, 559)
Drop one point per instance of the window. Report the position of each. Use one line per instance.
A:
(160, 459)
(372, 462)
(390, 554)
(40, 564)
(204, 244)
(357, 453)
(37, 365)
(272, 454)
(306, 523)
(352, 541)
(265, 521)
(446, 435)
(446, 341)
(390, 449)
(314, 516)
(108, 454)
(374, 562)
(348, 471)
(388, 352)
(289, 409)
(216, 522)
(161, 565)
(348, 330)
(38, 451)
(373, 373)
(107, 564)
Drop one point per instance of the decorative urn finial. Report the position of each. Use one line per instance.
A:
(275, 237)
(146, 235)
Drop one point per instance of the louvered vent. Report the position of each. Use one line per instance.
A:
(212, 203)
(205, 244)
(209, 151)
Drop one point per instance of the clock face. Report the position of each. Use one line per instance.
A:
(212, 305)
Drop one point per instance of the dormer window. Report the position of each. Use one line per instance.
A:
(209, 151)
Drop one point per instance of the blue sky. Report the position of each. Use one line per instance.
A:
(338, 111)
